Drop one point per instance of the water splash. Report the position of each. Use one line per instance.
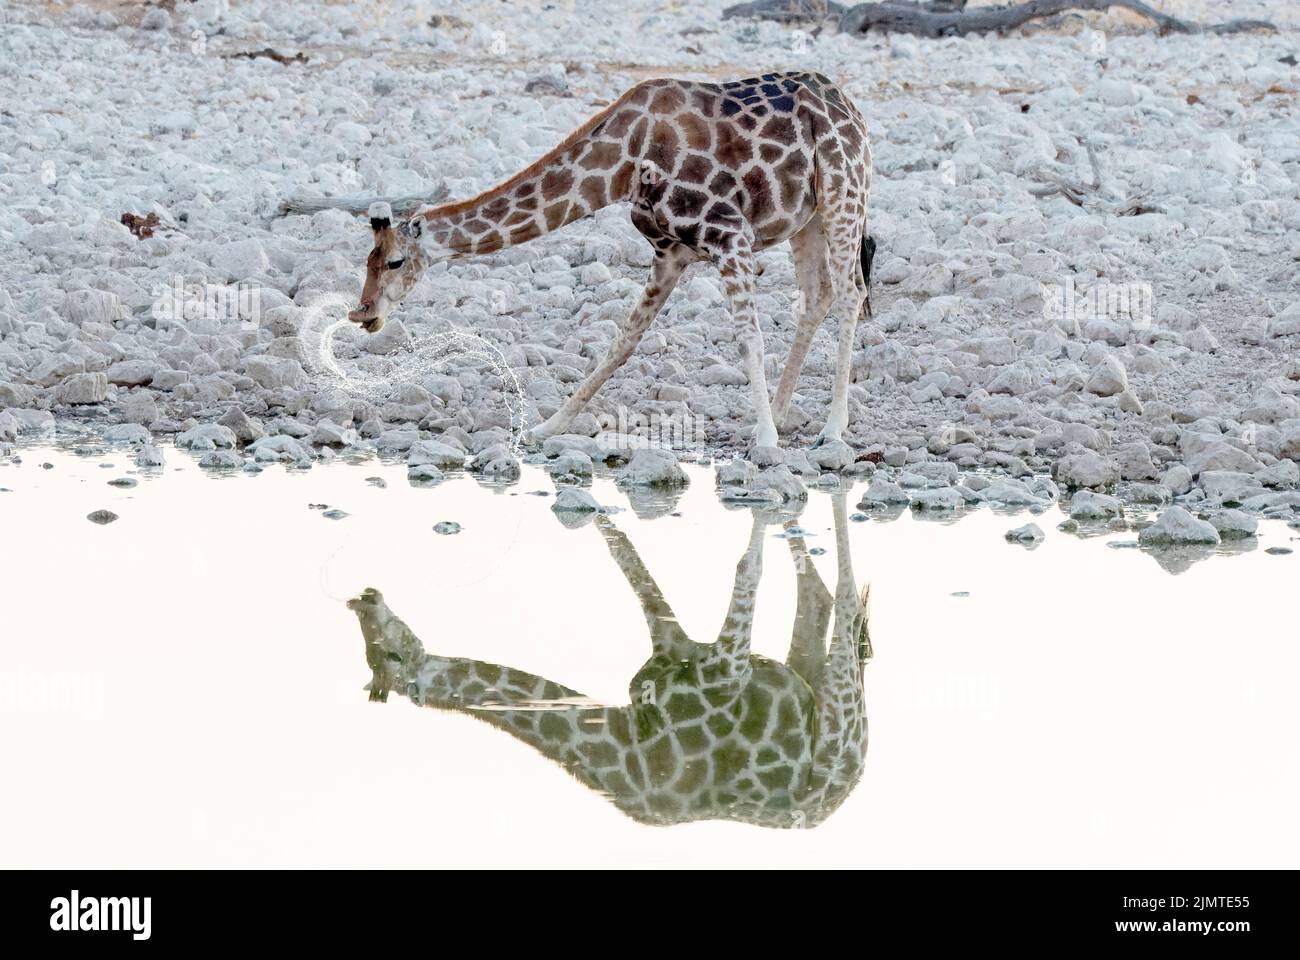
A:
(426, 356)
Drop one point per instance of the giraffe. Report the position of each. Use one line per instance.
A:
(714, 173)
(712, 731)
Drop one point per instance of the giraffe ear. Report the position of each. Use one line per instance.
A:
(648, 173)
(651, 182)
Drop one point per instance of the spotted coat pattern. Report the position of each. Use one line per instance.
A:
(711, 732)
(713, 172)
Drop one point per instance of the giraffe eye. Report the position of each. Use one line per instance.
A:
(396, 264)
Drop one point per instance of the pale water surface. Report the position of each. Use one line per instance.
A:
(187, 686)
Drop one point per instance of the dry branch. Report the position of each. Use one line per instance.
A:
(359, 205)
(270, 54)
(786, 11)
(938, 19)
(1096, 194)
(948, 18)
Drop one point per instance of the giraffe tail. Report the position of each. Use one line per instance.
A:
(868, 255)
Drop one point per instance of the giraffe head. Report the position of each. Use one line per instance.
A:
(392, 269)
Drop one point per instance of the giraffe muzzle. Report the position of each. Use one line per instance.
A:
(365, 315)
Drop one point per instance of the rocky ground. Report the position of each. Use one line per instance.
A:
(973, 381)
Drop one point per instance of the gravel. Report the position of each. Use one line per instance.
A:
(1013, 336)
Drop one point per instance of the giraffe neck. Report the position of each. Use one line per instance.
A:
(593, 168)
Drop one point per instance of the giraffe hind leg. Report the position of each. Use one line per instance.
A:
(847, 254)
(735, 261)
(812, 271)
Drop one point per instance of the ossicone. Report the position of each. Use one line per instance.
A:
(381, 216)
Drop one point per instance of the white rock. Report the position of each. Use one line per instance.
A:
(1085, 469)
(572, 463)
(156, 18)
(779, 484)
(1086, 505)
(1176, 526)
(1135, 462)
(995, 351)
(942, 499)
(131, 373)
(275, 373)
(496, 462)
(207, 436)
(833, 455)
(173, 122)
(1201, 340)
(652, 467)
(1030, 533)
(84, 307)
(883, 493)
(1115, 93)
(1229, 485)
(575, 500)
(425, 473)
(1284, 473)
(84, 388)
(32, 421)
(722, 375)
(149, 456)
(1107, 378)
(280, 448)
(1286, 323)
(240, 260)
(1202, 454)
(1178, 479)
(330, 434)
(244, 429)
(735, 473)
(221, 460)
(1234, 524)
(435, 452)
(126, 433)
(391, 339)
(1288, 445)
(1010, 493)
(393, 442)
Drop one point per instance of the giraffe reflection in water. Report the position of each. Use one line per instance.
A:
(713, 731)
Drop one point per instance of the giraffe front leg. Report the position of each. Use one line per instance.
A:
(667, 637)
(737, 269)
(664, 273)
